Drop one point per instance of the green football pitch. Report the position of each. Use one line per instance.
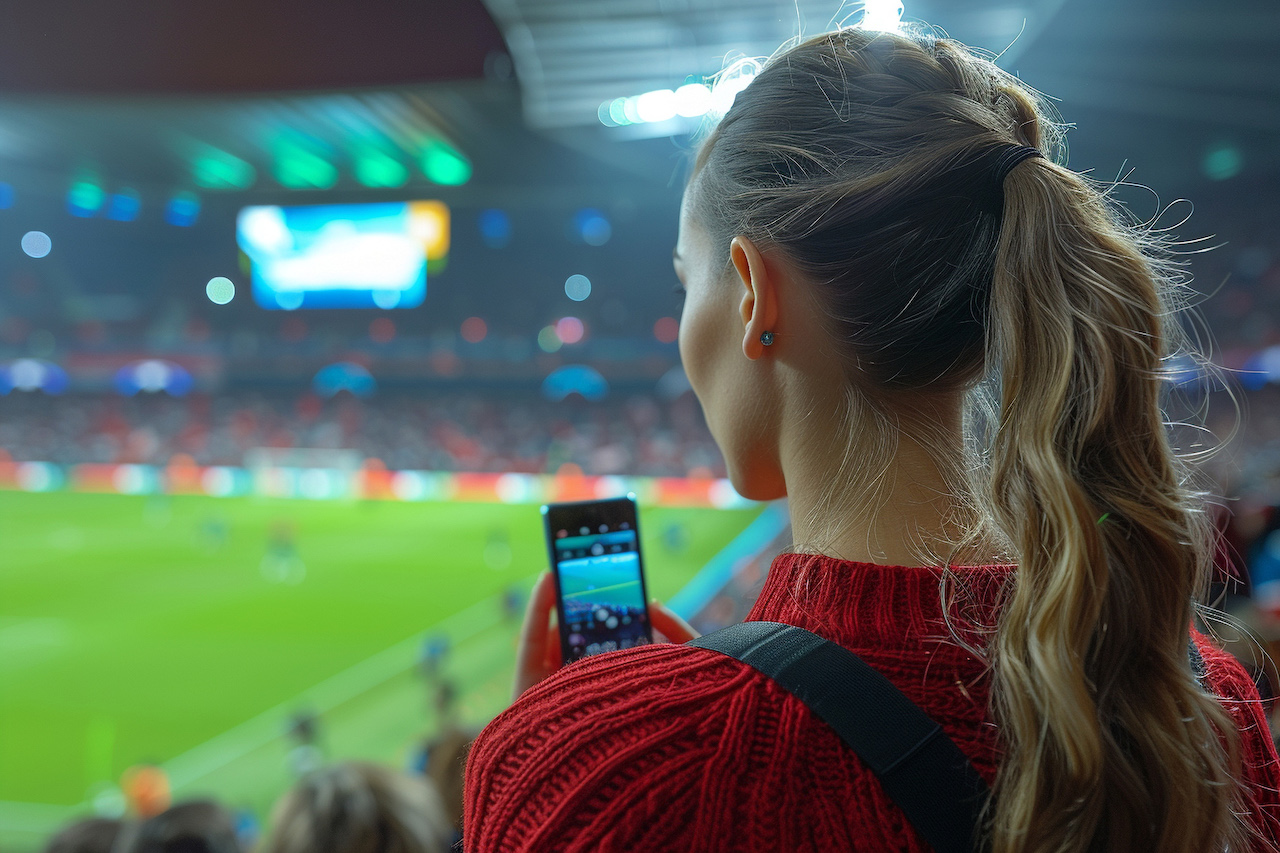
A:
(187, 632)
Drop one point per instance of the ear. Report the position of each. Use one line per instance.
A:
(759, 307)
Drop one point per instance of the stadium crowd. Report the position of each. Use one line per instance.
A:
(350, 807)
(506, 432)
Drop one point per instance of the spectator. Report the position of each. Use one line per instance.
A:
(359, 808)
(195, 826)
(89, 835)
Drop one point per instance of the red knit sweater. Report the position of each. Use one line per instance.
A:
(667, 747)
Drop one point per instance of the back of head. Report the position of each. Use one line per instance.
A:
(196, 826)
(90, 835)
(359, 808)
(446, 765)
(893, 173)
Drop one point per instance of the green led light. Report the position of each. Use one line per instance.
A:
(1222, 162)
(548, 340)
(300, 169)
(215, 169)
(376, 168)
(86, 196)
(443, 165)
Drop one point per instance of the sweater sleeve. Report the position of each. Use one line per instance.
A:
(1260, 767)
(670, 748)
(601, 755)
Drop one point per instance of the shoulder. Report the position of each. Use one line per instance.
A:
(1232, 683)
(552, 766)
(611, 749)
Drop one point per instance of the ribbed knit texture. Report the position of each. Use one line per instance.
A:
(667, 747)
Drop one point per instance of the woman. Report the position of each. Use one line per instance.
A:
(876, 231)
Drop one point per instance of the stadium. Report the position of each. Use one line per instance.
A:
(306, 309)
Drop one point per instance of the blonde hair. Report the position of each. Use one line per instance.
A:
(358, 807)
(864, 158)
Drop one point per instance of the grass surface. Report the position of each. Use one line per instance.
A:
(161, 630)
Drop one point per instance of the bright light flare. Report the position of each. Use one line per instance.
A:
(655, 106)
(884, 16)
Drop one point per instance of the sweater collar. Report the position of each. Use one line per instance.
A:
(871, 606)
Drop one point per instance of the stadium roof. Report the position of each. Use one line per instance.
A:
(145, 92)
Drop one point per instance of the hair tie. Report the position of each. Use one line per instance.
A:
(1009, 156)
(990, 168)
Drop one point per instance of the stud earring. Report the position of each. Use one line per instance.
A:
(766, 338)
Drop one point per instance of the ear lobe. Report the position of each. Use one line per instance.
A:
(759, 307)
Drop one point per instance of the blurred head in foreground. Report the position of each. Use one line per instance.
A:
(359, 808)
(446, 759)
(198, 826)
(90, 835)
(146, 790)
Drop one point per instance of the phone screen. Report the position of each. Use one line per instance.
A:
(601, 596)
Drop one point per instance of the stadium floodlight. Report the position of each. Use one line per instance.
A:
(884, 16)
(693, 100)
(658, 105)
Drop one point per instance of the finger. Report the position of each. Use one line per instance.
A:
(537, 615)
(552, 660)
(672, 626)
(531, 654)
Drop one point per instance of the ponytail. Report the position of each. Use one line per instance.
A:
(1111, 744)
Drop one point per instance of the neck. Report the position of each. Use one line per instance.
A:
(890, 502)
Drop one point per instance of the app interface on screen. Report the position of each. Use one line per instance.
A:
(600, 582)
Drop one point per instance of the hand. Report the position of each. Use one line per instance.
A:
(539, 652)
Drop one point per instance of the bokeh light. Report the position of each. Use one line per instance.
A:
(883, 16)
(474, 330)
(215, 169)
(658, 105)
(376, 168)
(592, 227)
(577, 287)
(495, 228)
(692, 100)
(444, 165)
(125, 205)
(299, 168)
(220, 290)
(1223, 161)
(666, 330)
(182, 210)
(548, 340)
(85, 198)
(36, 244)
(618, 111)
(6, 195)
(570, 330)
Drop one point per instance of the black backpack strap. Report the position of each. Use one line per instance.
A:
(920, 768)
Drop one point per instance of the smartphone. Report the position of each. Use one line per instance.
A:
(601, 598)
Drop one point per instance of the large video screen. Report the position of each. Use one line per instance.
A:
(343, 255)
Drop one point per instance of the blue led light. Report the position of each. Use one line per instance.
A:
(124, 206)
(495, 228)
(182, 210)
